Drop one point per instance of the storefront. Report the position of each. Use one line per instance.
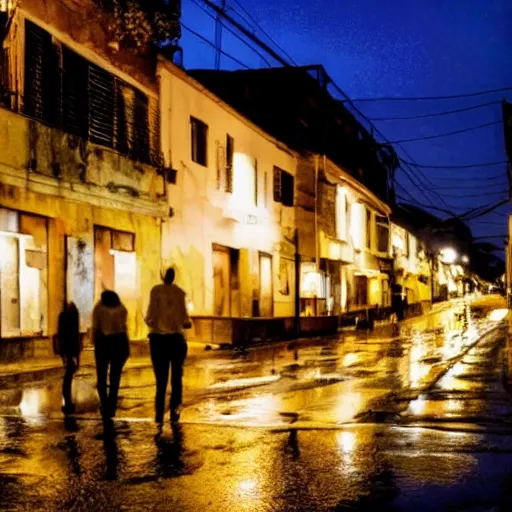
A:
(23, 274)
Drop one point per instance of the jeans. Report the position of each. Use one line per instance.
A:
(110, 352)
(167, 351)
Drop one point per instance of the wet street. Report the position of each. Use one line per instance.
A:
(416, 417)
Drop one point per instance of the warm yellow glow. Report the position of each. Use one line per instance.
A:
(350, 359)
(190, 307)
(357, 228)
(397, 241)
(498, 314)
(244, 383)
(417, 406)
(341, 214)
(30, 406)
(346, 441)
(244, 181)
(247, 486)
(448, 255)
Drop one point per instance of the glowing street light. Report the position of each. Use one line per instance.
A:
(448, 255)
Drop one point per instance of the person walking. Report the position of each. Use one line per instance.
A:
(166, 318)
(111, 348)
(68, 336)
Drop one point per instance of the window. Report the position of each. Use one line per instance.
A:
(244, 180)
(115, 263)
(283, 187)
(23, 274)
(287, 190)
(368, 228)
(341, 214)
(277, 184)
(382, 224)
(361, 291)
(198, 138)
(67, 91)
(230, 148)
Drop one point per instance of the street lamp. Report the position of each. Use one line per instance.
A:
(448, 255)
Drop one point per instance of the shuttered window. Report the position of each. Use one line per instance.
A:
(42, 94)
(101, 106)
(284, 187)
(69, 92)
(74, 93)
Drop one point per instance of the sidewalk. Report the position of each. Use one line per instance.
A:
(29, 370)
(36, 369)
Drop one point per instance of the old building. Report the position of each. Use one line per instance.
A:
(231, 233)
(81, 195)
(343, 183)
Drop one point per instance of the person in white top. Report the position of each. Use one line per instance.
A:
(111, 348)
(166, 318)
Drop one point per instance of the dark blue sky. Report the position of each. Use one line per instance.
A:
(373, 48)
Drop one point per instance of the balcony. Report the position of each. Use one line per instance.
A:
(62, 164)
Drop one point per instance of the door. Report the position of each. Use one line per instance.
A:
(266, 292)
(9, 286)
(221, 282)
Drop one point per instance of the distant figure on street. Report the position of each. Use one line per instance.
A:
(69, 349)
(397, 302)
(166, 318)
(111, 348)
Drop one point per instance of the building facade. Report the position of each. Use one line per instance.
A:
(81, 198)
(231, 234)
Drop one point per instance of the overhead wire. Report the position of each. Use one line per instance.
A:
(262, 30)
(435, 114)
(204, 39)
(231, 31)
(447, 134)
(433, 98)
(413, 167)
(452, 166)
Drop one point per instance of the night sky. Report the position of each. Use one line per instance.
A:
(398, 48)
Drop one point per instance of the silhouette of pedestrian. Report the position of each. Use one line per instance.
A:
(69, 349)
(166, 318)
(111, 348)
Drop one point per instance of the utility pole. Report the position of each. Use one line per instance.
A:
(297, 284)
(218, 33)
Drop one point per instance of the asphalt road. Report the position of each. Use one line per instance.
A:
(421, 421)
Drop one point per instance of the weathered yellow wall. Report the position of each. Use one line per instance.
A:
(73, 219)
(205, 214)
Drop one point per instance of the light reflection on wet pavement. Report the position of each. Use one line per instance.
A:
(419, 421)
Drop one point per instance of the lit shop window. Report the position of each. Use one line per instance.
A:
(23, 274)
(115, 262)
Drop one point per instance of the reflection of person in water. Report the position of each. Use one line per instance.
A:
(71, 444)
(168, 455)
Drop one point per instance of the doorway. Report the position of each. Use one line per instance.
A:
(226, 283)
(266, 296)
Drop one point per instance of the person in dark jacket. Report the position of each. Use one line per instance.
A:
(111, 348)
(69, 348)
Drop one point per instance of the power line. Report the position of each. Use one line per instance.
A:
(247, 33)
(446, 134)
(478, 186)
(479, 180)
(231, 31)
(450, 166)
(251, 17)
(470, 196)
(204, 39)
(446, 97)
(435, 114)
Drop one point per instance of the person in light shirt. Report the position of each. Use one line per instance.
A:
(111, 348)
(166, 318)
